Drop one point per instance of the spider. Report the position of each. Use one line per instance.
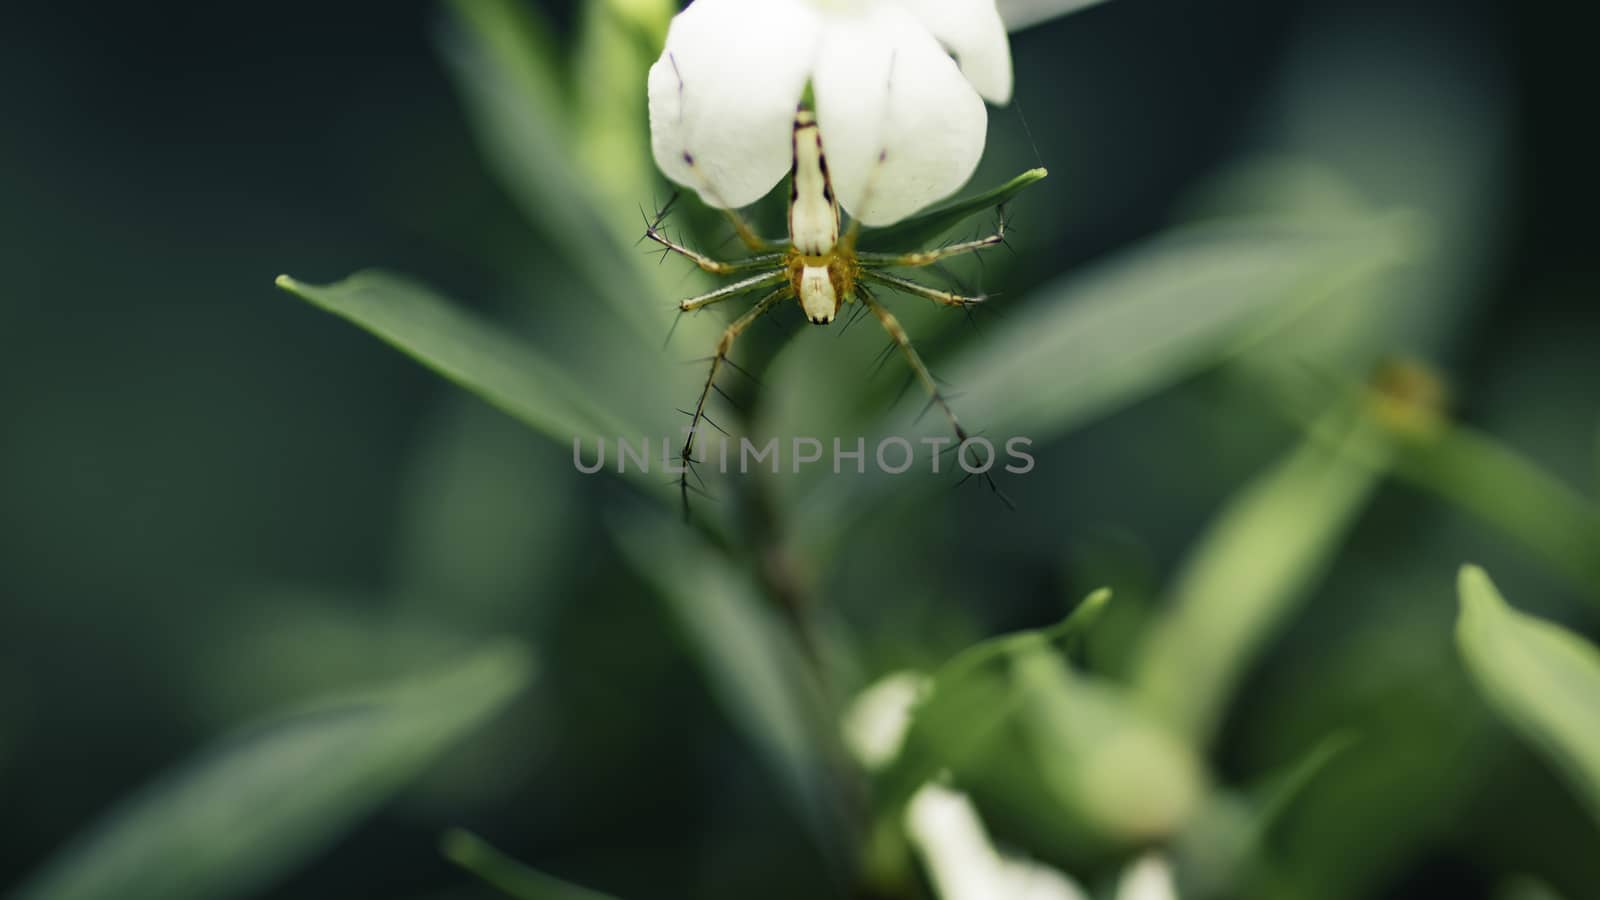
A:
(822, 269)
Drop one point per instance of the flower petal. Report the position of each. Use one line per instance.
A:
(943, 826)
(973, 31)
(901, 126)
(723, 95)
(1149, 878)
(1028, 880)
(876, 722)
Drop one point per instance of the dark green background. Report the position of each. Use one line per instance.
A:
(178, 437)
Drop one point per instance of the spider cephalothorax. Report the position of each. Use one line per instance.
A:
(820, 267)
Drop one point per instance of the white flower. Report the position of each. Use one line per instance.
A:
(902, 122)
(876, 722)
(944, 827)
(1148, 878)
(963, 864)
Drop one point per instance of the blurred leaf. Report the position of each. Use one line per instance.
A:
(1505, 490)
(1124, 775)
(918, 232)
(964, 711)
(996, 649)
(473, 353)
(504, 60)
(1524, 888)
(1260, 556)
(617, 42)
(1225, 850)
(1275, 185)
(263, 802)
(1019, 14)
(1104, 338)
(514, 879)
(1543, 679)
(275, 645)
(1466, 467)
(1271, 797)
(756, 670)
(1098, 339)
(500, 60)
(1399, 114)
(971, 696)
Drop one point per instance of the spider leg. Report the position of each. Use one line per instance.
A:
(897, 334)
(936, 397)
(944, 298)
(929, 257)
(747, 234)
(731, 290)
(714, 266)
(724, 344)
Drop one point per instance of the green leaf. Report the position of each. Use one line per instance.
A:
(1505, 490)
(500, 59)
(993, 650)
(617, 41)
(1273, 795)
(582, 185)
(1524, 888)
(917, 232)
(1103, 338)
(1020, 14)
(512, 878)
(1107, 764)
(1225, 850)
(756, 669)
(476, 355)
(1542, 679)
(1471, 469)
(1008, 715)
(262, 803)
(1096, 340)
(1261, 555)
(970, 698)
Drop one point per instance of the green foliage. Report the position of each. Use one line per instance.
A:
(512, 878)
(504, 71)
(1124, 774)
(478, 356)
(235, 819)
(1101, 340)
(969, 698)
(1358, 232)
(921, 230)
(1494, 483)
(1097, 340)
(1543, 679)
(754, 667)
(1526, 889)
(1244, 575)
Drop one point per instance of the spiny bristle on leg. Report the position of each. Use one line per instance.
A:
(724, 345)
